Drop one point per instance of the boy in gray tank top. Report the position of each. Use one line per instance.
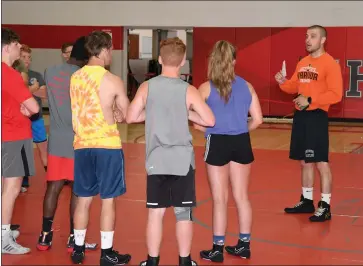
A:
(166, 103)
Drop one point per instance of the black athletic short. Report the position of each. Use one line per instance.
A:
(222, 149)
(164, 191)
(310, 136)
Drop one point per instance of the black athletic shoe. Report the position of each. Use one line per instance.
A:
(151, 261)
(45, 241)
(214, 255)
(78, 254)
(114, 258)
(304, 206)
(187, 261)
(242, 249)
(322, 214)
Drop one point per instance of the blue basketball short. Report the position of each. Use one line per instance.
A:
(99, 171)
(38, 131)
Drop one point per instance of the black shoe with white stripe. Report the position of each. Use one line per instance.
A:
(322, 214)
(242, 249)
(114, 258)
(214, 255)
(303, 206)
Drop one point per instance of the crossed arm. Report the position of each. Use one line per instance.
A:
(136, 111)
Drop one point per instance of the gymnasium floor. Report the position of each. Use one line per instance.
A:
(277, 238)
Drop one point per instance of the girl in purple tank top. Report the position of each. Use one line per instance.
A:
(228, 152)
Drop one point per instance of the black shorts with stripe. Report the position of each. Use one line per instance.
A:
(222, 149)
(165, 191)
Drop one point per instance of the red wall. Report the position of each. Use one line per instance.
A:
(53, 36)
(261, 52)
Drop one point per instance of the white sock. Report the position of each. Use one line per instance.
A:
(5, 229)
(308, 192)
(326, 198)
(79, 236)
(106, 239)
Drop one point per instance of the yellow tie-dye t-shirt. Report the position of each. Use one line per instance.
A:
(90, 127)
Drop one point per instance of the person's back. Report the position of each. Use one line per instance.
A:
(91, 111)
(231, 117)
(228, 151)
(57, 79)
(169, 146)
(99, 158)
(166, 103)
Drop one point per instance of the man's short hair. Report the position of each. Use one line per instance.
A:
(96, 41)
(172, 51)
(8, 36)
(65, 46)
(25, 48)
(79, 51)
(323, 31)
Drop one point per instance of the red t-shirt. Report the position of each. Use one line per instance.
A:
(14, 125)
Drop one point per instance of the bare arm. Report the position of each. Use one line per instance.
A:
(121, 100)
(136, 111)
(199, 111)
(255, 110)
(31, 105)
(42, 92)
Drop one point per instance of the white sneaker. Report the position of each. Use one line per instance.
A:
(9, 246)
(16, 233)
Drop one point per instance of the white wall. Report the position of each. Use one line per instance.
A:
(184, 13)
(149, 34)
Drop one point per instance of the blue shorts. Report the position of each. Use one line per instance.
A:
(38, 131)
(99, 171)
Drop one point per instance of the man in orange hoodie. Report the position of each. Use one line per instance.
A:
(318, 83)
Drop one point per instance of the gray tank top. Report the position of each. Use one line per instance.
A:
(169, 149)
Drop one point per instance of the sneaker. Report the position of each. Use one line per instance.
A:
(322, 214)
(16, 233)
(151, 261)
(242, 249)
(187, 261)
(71, 241)
(45, 241)
(9, 245)
(214, 255)
(304, 206)
(114, 258)
(77, 256)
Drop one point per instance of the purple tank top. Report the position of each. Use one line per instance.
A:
(231, 117)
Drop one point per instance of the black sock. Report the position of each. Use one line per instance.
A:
(152, 261)
(47, 224)
(71, 227)
(45, 168)
(185, 260)
(106, 251)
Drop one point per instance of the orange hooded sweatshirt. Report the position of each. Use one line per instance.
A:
(319, 78)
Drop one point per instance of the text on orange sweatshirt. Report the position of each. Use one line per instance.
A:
(319, 78)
